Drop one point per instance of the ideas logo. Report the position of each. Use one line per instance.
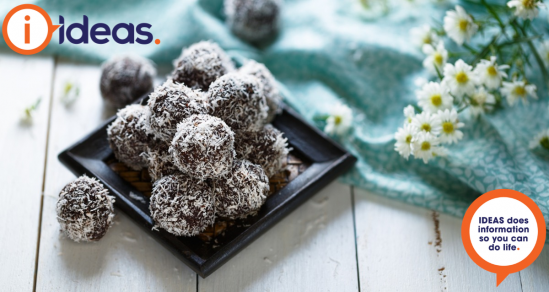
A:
(27, 30)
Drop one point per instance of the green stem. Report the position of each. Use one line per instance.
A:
(537, 56)
(470, 49)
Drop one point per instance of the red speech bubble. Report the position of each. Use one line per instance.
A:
(502, 271)
(12, 44)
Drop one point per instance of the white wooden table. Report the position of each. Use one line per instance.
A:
(343, 239)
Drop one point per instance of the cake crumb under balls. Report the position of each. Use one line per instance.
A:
(242, 192)
(270, 89)
(203, 147)
(201, 64)
(125, 78)
(85, 210)
(253, 20)
(182, 205)
(128, 136)
(238, 99)
(267, 148)
(170, 103)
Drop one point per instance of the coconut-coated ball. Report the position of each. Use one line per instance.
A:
(160, 160)
(270, 88)
(238, 99)
(203, 147)
(170, 103)
(253, 20)
(128, 136)
(182, 205)
(125, 78)
(267, 148)
(85, 210)
(201, 64)
(242, 192)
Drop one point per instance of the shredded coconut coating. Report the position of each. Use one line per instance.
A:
(201, 64)
(170, 103)
(242, 192)
(160, 160)
(125, 78)
(253, 20)
(128, 137)
(85, 210)
(182, 205)
(270, 89)
(267, 148)
(238, 99)
(203, 147)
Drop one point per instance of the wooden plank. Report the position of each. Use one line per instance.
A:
(126, 259)
(22, 154)
(536, 276)
(397, 246)
(310, 250)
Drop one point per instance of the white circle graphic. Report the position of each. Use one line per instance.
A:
(35, 33)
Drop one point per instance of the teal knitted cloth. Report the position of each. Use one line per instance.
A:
(327, 52)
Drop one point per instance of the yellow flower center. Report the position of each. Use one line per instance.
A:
(425, 146)
(438, 59)
(409, 139)
(461, 77)
(544, 142)
(337, 120)
(426, 127)
(448, 127)
(427, 39)
(529, 4)
(436, 100)
(463, 24)
(520, 90)
(492, 71)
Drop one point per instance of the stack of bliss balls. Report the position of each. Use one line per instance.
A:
(206, 140)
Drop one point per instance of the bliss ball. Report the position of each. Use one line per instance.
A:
(267, 148)
(126, 78)
(253, 20)
(203, 147)
(128, 136)
(201, 64)
(170, 103)
(160, 160)
(242, 192)
(85, 210)
(270, 89)
(182, 205)
(238, 99)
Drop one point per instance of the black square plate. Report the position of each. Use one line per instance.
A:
(327, 161)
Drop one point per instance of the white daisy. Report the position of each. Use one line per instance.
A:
(459, 78)
(424, 145)
(544, 51)
(434, 97)
(436, 58)
(489, 73)
(450, 126)
(423, 35)
(403, 139)
(481, 101)
(409, 113)
(339, 121)
(541, 139)
(459, 25)
(518, 90)
(526, 9)
(440, 151)
(426, 122)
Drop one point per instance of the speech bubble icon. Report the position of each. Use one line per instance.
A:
(27, 29)
(503, 232)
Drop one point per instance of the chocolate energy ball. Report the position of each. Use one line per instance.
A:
(170, 103)
(128, 136)
(160, 160)
(267, 148)
(242, 192)
(201, 64)
(182, 205)
(253, 20)
(126, 78)
(238, 99)
(85, 210)
(203, 147)
(270, 89)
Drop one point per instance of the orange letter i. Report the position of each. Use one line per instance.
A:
(27, 30)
